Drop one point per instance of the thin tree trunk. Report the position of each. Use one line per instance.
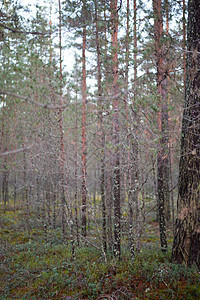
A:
(130, 193)
(108, 189)
(102, 134)
(76, 173)
(170, 138)
(4, 138)
(15, 191)
(25, 194)
(84, 149)
(5, 184)
(184, 45)
(116, 152)
(109, 196)
(48, 201)
(163, 151)
(135, 142)
(38, 197)
(62, 151)
(54, 208)
(135, 48)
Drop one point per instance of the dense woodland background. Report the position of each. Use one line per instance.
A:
(91, 105)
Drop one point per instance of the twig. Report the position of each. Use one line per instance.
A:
(89, 242)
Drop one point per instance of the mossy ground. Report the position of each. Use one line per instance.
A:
(31, 268)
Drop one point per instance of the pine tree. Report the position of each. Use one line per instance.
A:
(187, 235)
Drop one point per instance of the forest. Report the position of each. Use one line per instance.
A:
(99, 149)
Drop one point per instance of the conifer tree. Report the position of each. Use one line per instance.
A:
(187, 235)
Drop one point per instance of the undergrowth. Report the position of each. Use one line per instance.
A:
(30, 268)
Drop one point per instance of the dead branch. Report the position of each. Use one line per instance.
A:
(16, 151)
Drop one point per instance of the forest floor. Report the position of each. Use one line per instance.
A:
(34, 266)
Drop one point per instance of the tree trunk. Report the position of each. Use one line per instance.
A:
(25, 193)
(163, 150)
(5, 188)
(129, 177)
(62, 151)
(116, 152)
(76, 172)
(135, 147)
(84, 149)
(187, 232)
(184, 44)
(171, 194)
(102, 134)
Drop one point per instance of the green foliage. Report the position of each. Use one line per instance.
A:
(32, 269)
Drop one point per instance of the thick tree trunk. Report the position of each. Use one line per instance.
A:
(187, 232)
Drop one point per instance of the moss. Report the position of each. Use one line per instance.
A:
(33, 269)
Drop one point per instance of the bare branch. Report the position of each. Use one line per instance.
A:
(120, 6)
(24, 98)
(16, 151)
(89, 242)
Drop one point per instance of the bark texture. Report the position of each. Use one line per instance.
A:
(187, 232)
(163, 150)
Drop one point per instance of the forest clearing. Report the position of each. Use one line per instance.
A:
(99, 149)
